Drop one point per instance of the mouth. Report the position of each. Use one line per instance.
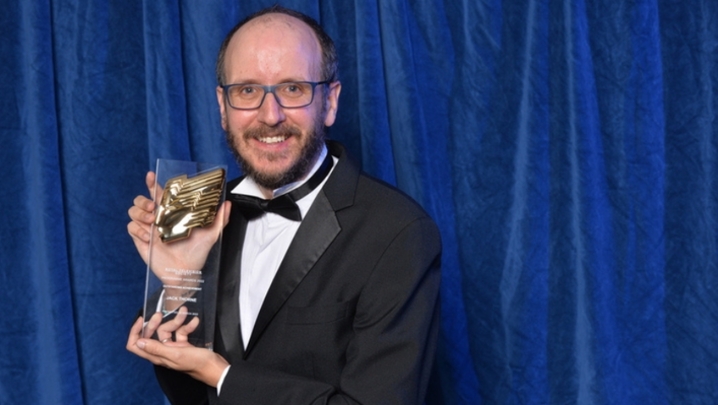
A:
(272, 139)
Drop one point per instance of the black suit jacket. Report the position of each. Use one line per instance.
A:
(352, 315)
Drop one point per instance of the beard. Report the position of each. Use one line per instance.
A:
(315, 138)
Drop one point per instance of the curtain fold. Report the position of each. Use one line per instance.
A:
(690, 62)
(566, 149)
(39, 339)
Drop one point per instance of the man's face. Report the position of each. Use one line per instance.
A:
(276, 145)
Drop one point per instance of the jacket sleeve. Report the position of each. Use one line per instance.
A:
(180, 388)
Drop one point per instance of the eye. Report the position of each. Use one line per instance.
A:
(243, 91)
(293, 89)
(247, 90)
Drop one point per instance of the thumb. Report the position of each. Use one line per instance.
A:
(221, 218)
(225, 210)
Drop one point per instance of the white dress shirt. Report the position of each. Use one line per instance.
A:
(266, 242)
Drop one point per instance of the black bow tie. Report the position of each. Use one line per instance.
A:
(284, 205)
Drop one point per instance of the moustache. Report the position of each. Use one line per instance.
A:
(266, 132)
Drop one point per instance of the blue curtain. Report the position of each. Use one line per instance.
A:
(567, 150)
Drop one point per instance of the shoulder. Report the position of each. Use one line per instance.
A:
(388, 214)
(385, 198)
(354, 193)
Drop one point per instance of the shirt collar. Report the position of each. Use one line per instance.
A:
(249, 187)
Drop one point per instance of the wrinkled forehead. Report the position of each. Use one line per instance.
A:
(273, 47)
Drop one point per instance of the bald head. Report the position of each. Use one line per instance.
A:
(292, 23)
(273, 48)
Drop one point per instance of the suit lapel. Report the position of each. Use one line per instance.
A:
(228, 289)
(316, 233)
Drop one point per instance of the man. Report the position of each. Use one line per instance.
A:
(336, 306)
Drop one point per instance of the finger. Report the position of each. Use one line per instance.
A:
(154, 187)
(164, 332)
(142, 209)
(221, 218)
(134, 334)
(141, 237)
(152, 324)
(139, 232)
(151, 350)
(150, 179)
(182, 334)
(171, 355)
(225, 210)
(136, 344)
(141, 217)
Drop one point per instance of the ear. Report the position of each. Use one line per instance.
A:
(332, 103)
(222, 107)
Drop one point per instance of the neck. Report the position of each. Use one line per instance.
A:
(266, 193)
(316, 161)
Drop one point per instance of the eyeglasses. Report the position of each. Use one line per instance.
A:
(288, 95)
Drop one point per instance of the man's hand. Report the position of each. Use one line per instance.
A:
(174, 326)
(167, 258)
(201, 364)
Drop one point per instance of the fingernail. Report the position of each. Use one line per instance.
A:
(141, 344)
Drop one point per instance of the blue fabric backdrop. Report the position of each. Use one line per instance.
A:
(567, 149)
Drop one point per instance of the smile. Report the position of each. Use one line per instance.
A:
(273, 139)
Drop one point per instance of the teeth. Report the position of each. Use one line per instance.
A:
(273, 139)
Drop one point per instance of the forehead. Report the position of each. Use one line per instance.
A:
(273, 48)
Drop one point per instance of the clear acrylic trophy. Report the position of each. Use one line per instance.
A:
(183, 263)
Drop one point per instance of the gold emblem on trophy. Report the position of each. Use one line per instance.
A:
(188, 203)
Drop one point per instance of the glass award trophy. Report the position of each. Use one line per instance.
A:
(183, 261)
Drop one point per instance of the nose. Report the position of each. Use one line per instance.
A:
(270, 112)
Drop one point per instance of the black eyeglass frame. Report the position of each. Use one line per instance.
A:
(270, 89)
